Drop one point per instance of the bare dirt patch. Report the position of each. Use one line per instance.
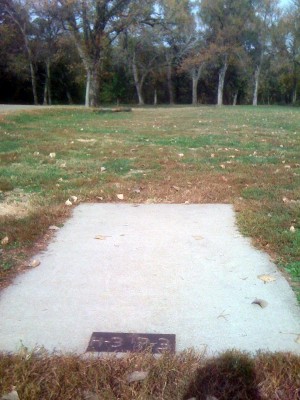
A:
(15, 203)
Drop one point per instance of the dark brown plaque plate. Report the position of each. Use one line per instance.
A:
(110, 342)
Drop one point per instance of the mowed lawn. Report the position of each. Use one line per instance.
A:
(246, 156)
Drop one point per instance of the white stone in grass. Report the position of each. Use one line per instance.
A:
(74, 198)
(102, 169)
(5, 241)
(137, 376)
(68, 203)
(34, 263)
(120, 196)
(292, 229)
(52, 155)
(13, 395)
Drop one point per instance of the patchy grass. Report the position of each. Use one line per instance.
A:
(241, 155)
(232, 375)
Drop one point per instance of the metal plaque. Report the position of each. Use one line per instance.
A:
(110, 342)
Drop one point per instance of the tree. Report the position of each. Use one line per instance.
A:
(19, 11)
(94, 25)
(225, 22)
(266, 15)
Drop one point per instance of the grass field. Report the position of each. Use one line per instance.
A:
(249, 157)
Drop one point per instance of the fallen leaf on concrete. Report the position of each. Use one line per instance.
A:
(53, 228)
(52, 155)
(101, 237)
(5, 241)
(13, 395)
(68, 203)
(260, 302)
(198, 237)
(297, 340)
(266, 278)
(120, 196)
(34, 263)
(137, 376)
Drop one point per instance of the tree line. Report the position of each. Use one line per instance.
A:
(149, 52)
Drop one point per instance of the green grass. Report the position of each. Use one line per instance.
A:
(241, 155)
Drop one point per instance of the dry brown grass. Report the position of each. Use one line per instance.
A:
(232, 375)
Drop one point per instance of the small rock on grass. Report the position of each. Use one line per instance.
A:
(68, 203)
(53, 228)
(87, 395)
(137, 376)
(120, 196)
(5, 241)
(13, 395)
(34, 263)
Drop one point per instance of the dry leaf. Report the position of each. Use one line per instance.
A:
(137, 376)
(198, 237)
(181, 155)
(266, 278)
(5, 241)
(120, 196)
(63, 165)
(260, 302)
(222, 166)
(52, 155)
(102, 169)
(68, 203)
(176, 188)
(34, 263)
(101, 237)
(53, 228)
(36, 153)
(292, 229)
(74, 198)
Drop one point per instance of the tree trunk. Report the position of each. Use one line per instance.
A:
(33, 84)
(256, 83)
(170, 83)
(196, 73)
(235, 98)
(87, 88)
(47, 88)
(222, 74)
(94, 87)
(155, 97)
(138, 82)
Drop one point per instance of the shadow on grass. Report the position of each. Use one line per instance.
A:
(230, 376)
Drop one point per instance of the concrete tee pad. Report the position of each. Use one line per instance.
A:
(157, 268)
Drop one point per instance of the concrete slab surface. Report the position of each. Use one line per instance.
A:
(155, 268)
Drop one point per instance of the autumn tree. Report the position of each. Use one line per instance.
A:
(225, 22)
